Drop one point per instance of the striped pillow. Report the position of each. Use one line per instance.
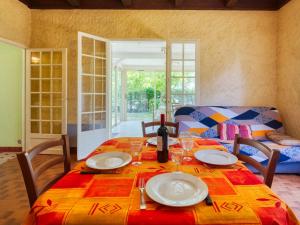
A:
(245, 131)
(228, 131)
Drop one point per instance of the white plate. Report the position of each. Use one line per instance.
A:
(216, 157)
(109, 160)
(176, 189)
(171, 141)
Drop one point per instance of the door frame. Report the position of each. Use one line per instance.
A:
(23, 91)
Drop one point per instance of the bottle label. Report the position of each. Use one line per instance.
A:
(159, 143)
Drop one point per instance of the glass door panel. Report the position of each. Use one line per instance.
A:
(92, 93)
(46, 95)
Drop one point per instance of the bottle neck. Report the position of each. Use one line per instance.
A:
(162, 119)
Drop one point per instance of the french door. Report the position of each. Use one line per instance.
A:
(93, 125)
(46, 100)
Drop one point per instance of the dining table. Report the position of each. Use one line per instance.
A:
(113, 198)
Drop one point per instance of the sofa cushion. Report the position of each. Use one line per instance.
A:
(282, 139)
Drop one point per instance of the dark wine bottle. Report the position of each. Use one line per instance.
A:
(162, 141)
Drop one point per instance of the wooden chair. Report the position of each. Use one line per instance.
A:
(273, 155)
(30, 176)
(173, 132)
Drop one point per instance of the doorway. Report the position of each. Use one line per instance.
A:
(138, 84)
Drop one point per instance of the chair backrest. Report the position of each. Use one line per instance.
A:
(173, 132)
(30, 175)
(273, 155)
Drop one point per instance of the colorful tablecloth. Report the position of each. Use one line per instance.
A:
(239, 197)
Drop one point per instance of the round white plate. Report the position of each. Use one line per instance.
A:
(171, 141)
(216, 157)
(176, 189)
(109, 160)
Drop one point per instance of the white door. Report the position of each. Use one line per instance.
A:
(46, 96)
(93, 123)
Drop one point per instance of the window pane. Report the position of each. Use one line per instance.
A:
(46, 113)
(87, 65)
(177, 50)
(87, 122)
(45, 85)
(189, 51)
(35, 99)
(176, 69)
(100, 48)
(35, 127)
(56, 100)
(46, 71)
(46, 57)
(35, 85)
(46, 127)
(35, 58)
(100, 66)
(87, 46)
(189, 85)
(177, 99)
(35, 71)
(35, 113)
(57, 71)
(56, 114)
(57, 57)
(87, 84)
(100, 102)
(100, 120)
(100, 85)
(45, 99)
(56, 127)
(56, 86)
(189, 66)
(189, 99)
(87, 103)
(176, 85)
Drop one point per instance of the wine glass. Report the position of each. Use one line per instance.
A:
(187, 145)
(136, 148)
(176, 156)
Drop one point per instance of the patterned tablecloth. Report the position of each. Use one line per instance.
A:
(239, 197)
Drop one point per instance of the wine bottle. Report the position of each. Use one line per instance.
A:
(162, 141)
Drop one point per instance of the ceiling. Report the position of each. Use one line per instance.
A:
(158, 4)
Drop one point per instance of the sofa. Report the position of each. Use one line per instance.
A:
(203, 122)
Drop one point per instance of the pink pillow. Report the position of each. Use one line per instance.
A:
(228, 131)
(245, 131)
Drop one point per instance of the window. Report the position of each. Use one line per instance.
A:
(183, 73)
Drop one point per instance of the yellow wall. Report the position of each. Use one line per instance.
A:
(237, 49)
(289, 66)
(15, 21)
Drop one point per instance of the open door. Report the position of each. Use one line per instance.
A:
(93, 123)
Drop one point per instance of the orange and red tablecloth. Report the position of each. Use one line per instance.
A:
(239, 197)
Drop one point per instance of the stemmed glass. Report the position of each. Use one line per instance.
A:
(136, 148)
(187, 143)
(176, 156)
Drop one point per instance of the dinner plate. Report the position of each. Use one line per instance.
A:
(216, 157)
(109, 160)
(171, 141)
(176, 189)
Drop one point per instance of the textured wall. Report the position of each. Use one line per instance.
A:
(289, 66)
(15, 21)
(237, 49)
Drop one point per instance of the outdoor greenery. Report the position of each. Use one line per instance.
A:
(145, 91)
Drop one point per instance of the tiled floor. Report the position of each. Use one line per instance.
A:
(14, 204)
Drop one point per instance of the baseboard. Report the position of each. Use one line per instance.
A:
(10, 149)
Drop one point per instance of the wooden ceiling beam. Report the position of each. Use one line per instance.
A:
(74, 3)
(178, 3)
(230, 3)
(126, 3)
